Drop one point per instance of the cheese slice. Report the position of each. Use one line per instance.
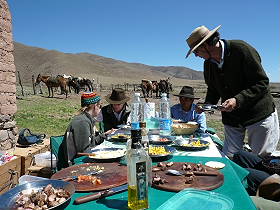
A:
(215, 164)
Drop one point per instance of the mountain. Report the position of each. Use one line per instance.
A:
(33, 60)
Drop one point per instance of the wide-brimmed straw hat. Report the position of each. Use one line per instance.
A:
(187, 92)
(198, 36)
(117, 96)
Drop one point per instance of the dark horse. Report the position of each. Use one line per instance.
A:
(52, 82)
(149, 87)
(81, 83)
(165, 86)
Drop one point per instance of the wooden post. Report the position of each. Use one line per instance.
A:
(100, 86)
(33, 84)
(19, 81)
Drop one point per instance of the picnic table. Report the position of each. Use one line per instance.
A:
(233, 186)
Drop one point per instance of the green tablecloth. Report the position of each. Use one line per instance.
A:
(234, 177)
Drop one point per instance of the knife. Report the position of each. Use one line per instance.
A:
(85, 154)
(101, 194)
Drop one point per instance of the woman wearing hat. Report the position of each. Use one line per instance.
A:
(117, 111)
(81, 133)
(234, 74)
(186, 109)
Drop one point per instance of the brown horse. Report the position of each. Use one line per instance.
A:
(149, 87)
(53, 82)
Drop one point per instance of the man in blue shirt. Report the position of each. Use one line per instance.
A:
(185, 110)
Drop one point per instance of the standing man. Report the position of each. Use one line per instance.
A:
(234, 74)
(186, 109)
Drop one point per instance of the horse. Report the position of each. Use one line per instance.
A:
(71, 82)
(81, 83)
(52, 82)
(155, 88)
(149, 87)
(165, 86)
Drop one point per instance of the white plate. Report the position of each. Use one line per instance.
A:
(107, 153)
(215, 164)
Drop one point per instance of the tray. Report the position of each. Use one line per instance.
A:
(193, 199)
(113, 175)
(178, 183)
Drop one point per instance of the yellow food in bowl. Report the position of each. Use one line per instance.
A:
(195, 144)
(157, 151)
(121, 136)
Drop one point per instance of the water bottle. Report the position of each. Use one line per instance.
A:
(164, 116)
(136, 114)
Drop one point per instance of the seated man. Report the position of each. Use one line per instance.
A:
(117, 111)
(253, 163)
(185, 110)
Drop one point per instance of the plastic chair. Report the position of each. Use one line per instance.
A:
(55, 143)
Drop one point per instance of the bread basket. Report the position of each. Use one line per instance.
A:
(185, 128)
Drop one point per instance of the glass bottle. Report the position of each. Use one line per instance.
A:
(145, 145)
(138, 170)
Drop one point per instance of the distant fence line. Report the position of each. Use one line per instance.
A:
(130, 87)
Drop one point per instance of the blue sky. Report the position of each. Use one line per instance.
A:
(151, 32)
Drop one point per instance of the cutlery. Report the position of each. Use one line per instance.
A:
(85, 154)
(101, 194)
(198, 173)
(209, 107)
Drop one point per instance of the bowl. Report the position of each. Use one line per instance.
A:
(194, 144)
(184, 128)
(157, 139)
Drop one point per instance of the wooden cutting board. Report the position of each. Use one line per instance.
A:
(113, 175)
(177, 183)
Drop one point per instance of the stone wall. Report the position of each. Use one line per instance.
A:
(8, 107)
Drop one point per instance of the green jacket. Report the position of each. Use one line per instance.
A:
(242, 77)
(78, 137)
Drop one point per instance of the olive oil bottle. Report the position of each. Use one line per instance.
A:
(138, 170)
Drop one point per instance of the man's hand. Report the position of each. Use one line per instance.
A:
(229, 105)
(199, 108)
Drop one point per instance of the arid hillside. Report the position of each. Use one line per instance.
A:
(33, 60)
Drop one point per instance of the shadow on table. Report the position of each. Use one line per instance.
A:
(113, 203)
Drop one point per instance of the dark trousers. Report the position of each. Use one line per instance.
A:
(253, 163)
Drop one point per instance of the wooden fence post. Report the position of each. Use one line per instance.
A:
(33, 84)
(19, 81)
(100, 86)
